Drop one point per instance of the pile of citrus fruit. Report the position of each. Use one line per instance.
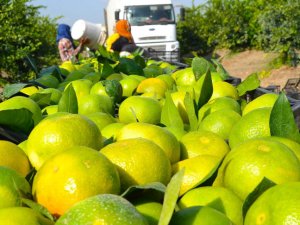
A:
(141, 141)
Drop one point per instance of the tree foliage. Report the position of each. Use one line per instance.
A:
(25, 36)
(269, 25)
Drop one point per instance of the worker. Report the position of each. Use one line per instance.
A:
(121, 37)
(66, 46)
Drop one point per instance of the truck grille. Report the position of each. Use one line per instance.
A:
(152, 38)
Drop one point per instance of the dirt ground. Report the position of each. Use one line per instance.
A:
(245, 63)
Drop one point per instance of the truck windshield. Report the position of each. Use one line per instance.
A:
(150, 14)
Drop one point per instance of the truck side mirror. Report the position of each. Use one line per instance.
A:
(117, 15)
(182, 13)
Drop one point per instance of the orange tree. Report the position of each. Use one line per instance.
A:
(269, 25)
(25, 35)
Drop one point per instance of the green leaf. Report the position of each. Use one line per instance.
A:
(170, 116)
(156, 189)
(68, 101)
(264, 185)
(53, 71)
(114, 89)
(107, 70)
(38, 208)
(140, 61)
(190, 109)
(11, 89)
(32, 64)
(19, 120)
(282, 121)
(200, 66)
(250, 83)
(129, 66)
(220, 69)
(205, 89)
(171, 197)
(42, 99)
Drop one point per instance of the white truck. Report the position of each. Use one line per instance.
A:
(153, 25)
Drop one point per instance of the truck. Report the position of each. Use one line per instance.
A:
(153, 25)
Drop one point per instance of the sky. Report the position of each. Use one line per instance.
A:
(89, 10)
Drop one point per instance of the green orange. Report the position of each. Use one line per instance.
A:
(73, 175)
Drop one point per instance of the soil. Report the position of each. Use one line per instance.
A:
(245, 63)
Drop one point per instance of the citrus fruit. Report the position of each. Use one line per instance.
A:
(60, 132)
(220, 103)
(247, 164)
(196, 143)
(254, 124)
(67, 65)
(265, 100)
(12, 156)
(112, 130)
(101, 119)
(224, 89)
(129, 86)
(18, 102)
(81, 87)
(140, 109)
(92, 103)
(73, 175)
(30, 90)
(277, 205)
(184, 77)
(116, 76)
(48, 81)
(50, 109)
(220, 122)
(199, 215)
(160, 136)
(150, 209)
(22, 216)
(139, 161)
(168, 79)
(98, 88)
(102, 209)
(194, 174)
(154, 86)
(219, 198)
(294, 146)
(13, 187)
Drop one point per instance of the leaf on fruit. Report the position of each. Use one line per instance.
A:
(170, 116)
(156, 189)
(199, 66)
(107, 70)
(38, 208)
(264, 185)
(250, 83)
(205, 89)
(18, 120)
(68, 101)
(221, 70)
(129, 66)
(282, 121)
(53, 71)
(42, 99)
(171, 197)
(190, 109)
(10, 90)
(114, 89)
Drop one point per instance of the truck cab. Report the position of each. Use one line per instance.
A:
(153, 25)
